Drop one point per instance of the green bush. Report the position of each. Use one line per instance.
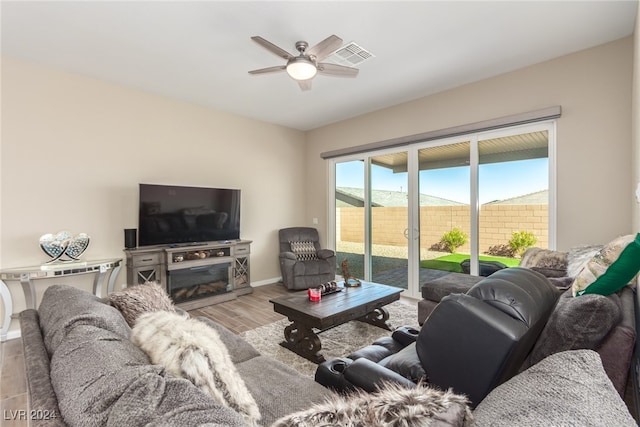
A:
(501, 251)
(454, 239)
(521, 240)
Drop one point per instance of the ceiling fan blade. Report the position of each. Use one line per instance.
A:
(275, 69)
(272, 47)
(337, 70)
(305, 84)
(324, 48)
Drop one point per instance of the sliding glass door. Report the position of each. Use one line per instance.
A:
(389, 207)
(470, 204)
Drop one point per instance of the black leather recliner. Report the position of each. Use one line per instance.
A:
(471, 342)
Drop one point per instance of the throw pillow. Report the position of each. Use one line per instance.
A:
(304, 251)
(578, 258)
(577, 323)
(620, 273)
(140, 299)
(566, 389)
(190, 349)
(599, 263)
(392, 405)
(548, 262)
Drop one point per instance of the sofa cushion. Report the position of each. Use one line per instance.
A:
(600, 262)
(616, 352)
(63, 307)
(139, 299)
(620, 273)
(190, 349)
(406, 363)
(239, 349)
(312, 267)
(102, 378)
(391, 405)
(577, 323)
(567, 388)
(278, 389)
(452, 283)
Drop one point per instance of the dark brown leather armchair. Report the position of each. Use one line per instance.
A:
(303, 263)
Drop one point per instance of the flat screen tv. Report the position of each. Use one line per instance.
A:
(175, 215)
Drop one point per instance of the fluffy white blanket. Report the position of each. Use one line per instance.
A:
(190, 349)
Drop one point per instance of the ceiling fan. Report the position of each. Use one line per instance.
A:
(304, 67)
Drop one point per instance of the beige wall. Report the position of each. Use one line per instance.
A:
(74, 150)
(594, 89)
(635, 121)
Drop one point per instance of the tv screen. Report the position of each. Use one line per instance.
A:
(172, 214)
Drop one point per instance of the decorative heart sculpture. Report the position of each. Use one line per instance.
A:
(55, 245)
(64, 243)
(77, 246)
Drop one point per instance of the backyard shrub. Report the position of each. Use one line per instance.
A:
(439, 247)
(454, 239)
(501, 250)
(521, 240)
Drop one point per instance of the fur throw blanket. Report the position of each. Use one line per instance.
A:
(392, 406)
(190, 349)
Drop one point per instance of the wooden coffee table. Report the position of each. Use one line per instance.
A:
(365, 303)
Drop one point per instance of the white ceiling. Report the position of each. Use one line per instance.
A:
(201, 51)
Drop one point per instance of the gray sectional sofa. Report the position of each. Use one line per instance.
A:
(83, 370)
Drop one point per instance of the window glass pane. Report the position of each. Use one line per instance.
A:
(444, 209)
(513, 193)
(349, 218)
(389, 219)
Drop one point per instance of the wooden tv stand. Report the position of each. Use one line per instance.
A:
(155, 264)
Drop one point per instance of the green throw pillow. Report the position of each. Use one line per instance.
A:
(620, 273)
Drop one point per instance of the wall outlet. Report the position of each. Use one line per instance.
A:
(315, 221)
(638, 193)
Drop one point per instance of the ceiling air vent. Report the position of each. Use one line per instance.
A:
(349, 55)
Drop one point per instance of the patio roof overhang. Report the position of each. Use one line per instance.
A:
(532, 145)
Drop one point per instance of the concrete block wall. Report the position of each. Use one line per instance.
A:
(496, 224)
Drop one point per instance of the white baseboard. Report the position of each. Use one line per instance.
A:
(266, 282)
(12, 335)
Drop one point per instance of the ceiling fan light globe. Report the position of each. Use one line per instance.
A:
(301, 69)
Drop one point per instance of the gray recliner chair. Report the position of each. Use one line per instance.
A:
(303, 263)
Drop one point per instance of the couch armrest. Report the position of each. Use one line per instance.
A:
(42, 397)
(325, 253)
(288, 255)
(405, 335)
